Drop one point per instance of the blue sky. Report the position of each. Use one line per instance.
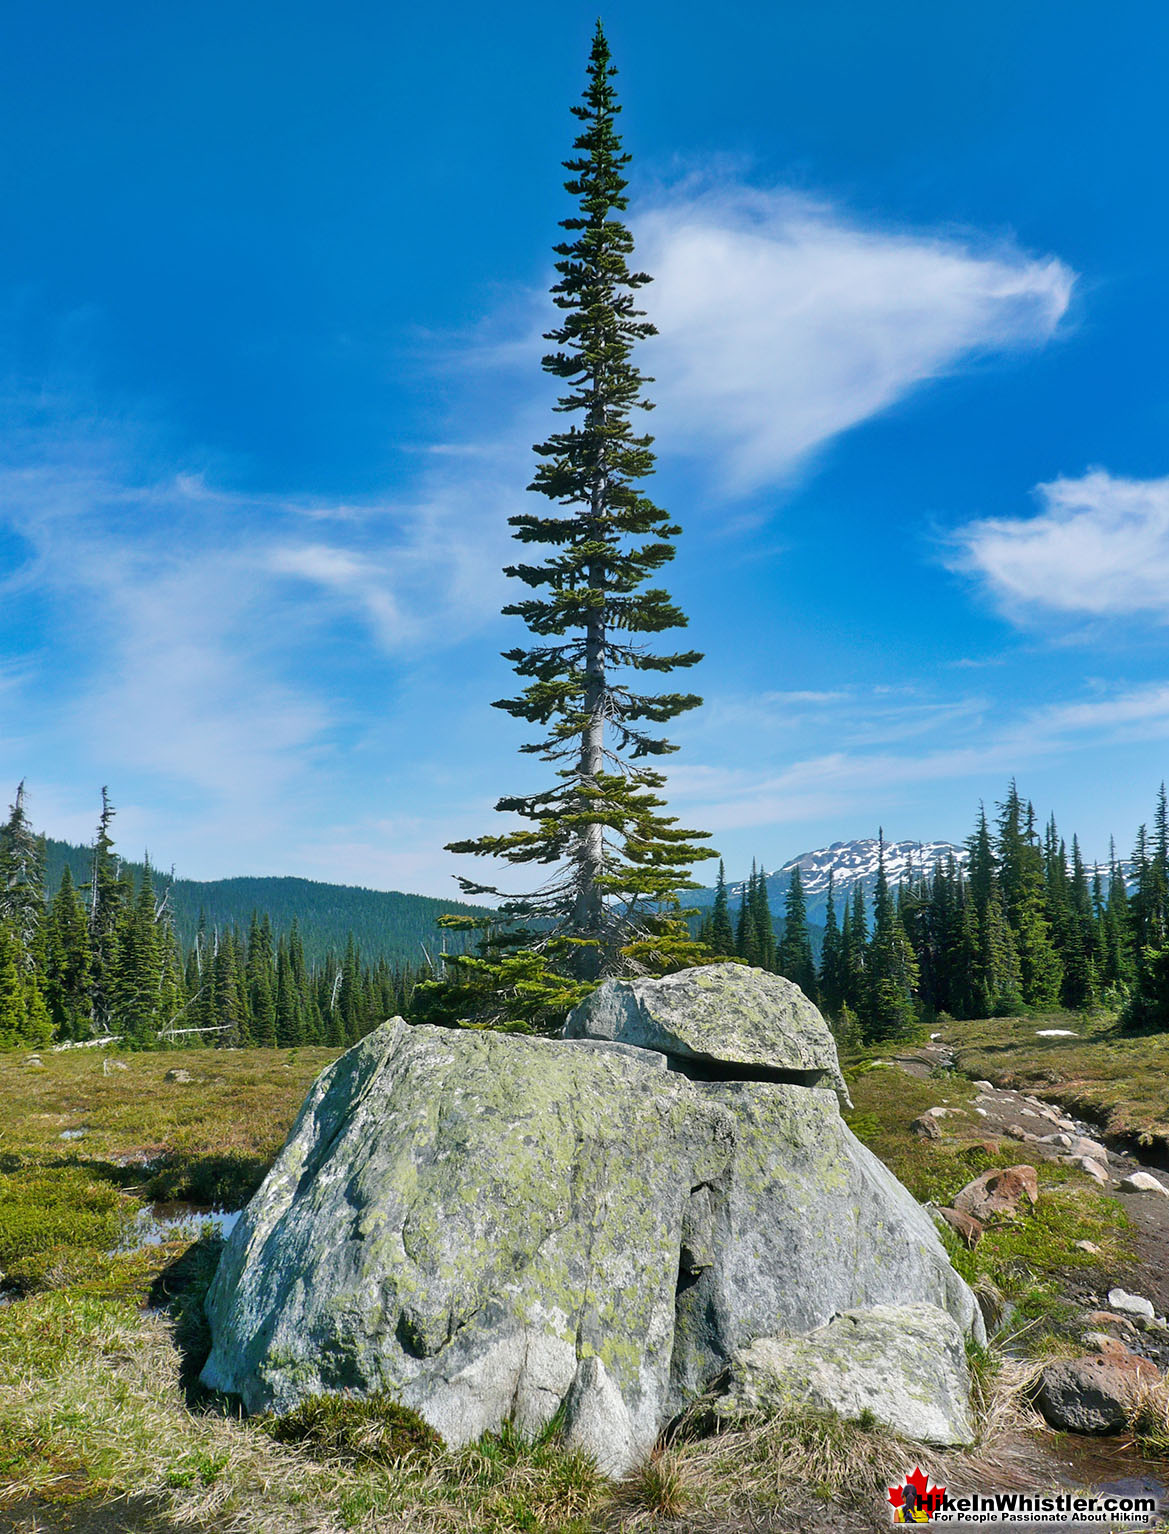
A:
(272, 280)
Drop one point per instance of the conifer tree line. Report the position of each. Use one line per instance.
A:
(1022, 923)
(105, 960)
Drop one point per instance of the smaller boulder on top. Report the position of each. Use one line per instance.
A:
(721, 1021)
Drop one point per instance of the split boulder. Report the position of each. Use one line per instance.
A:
(497, 1228)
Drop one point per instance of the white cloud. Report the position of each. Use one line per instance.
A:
(1099, 547)
(784, 322)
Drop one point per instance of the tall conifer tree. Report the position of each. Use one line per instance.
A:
(722, 934)
(614, 861)
(795, 950)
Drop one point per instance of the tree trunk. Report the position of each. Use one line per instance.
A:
(587, 918)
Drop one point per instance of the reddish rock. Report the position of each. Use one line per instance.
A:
(1109, 1318)
(1112, 1347)
(1093, 1394)
(998, 1192)
(966, 1225)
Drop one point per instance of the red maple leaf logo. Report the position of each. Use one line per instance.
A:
(927, 1497)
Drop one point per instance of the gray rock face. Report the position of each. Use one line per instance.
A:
(719, 1015)
(492, 1227)
(906, 1364)
(466, 1219)
(806, 1224)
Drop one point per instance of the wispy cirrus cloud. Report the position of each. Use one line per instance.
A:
(1097, 548)
(785, 321)
(215, 648)
(968, 741)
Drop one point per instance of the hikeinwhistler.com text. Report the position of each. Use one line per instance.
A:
(1063, 1508)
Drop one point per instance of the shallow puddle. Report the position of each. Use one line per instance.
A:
(162, 1222)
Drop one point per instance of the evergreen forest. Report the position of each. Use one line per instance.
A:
(1023, 923)
(104, 958)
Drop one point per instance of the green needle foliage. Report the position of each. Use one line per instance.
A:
(615, 860)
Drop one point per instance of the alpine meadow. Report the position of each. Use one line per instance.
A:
(557, 1022)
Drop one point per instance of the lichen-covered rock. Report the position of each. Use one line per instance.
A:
(462, 1218)
(806, 1224)
(718, 1015)
(904, 1364)
(491, 1227)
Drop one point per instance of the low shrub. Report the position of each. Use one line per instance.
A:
(374, 1428)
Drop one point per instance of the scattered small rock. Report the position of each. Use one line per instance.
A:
(1142, 1182)
(1155, 1324)
(1087, 1246)
(1016, 1132)
(1108, 1318)
(1083, 1146)
(925, 1127)
(73, 1134)
(1093, 1394)
(1101, 1342)
(984, 1086)
(1088, 1165)
(178, 1074)
(982, 1113)
(1057, 1139)
(966, 1225)
(35, 1062)
(998, 1192)
(1130, 1304)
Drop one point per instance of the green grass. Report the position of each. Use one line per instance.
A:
(1116, 1080)
(99, 1363)
(1027, 1258)
(208, 1140)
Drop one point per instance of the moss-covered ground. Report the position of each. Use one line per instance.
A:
(1117, 1080)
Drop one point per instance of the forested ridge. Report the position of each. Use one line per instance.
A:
(93, 946)
(385, 924)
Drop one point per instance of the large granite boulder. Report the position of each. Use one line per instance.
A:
(494, 1227)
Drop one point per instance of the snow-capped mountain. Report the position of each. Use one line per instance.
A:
(850, 864)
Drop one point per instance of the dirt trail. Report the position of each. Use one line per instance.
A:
(1006, 1115)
